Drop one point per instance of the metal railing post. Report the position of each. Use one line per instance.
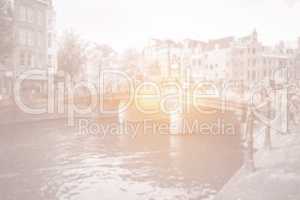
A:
(249, 158)
(268, 142)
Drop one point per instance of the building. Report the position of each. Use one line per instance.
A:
(253, 62)
(244, 56)
(211, 62)
(35, 34)
(191, 55)
(34, 40)
(190, 59)
(245, 60)
(6, 41)
(163, 59)
(297, 63)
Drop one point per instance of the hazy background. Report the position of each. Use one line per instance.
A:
(124, 23)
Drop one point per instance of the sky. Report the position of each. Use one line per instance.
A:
(130, 23)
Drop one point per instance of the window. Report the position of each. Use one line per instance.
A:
(39, 60)
(22, 58)
(30, 15)
(30, 37)
(50, 20)
(26, 14)
(40, 18)
(49, 60)
(26, 37)
(22, 37)
(270, 73)
(253, 75)
(39, 39)
(29, 59)
(265, 72)
(22, 13)
(265, 61)
(254, 62)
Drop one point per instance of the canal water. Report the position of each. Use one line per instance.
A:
(51, 161)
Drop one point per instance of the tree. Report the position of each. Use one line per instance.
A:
(105, 50)
(6, 31)
(101, 55)
(131, 60)
(72, 54)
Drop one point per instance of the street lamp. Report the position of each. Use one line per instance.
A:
(249, 158)
(285, 82)
(10, 75)
(268, 142)
(287, 99)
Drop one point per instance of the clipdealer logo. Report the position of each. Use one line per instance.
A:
(169, 98)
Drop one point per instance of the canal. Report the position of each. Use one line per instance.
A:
(49, 161)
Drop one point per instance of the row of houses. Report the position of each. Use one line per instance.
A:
(236, 60)
(34, 46)
(244, 59)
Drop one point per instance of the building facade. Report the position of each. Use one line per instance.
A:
(162, 59)
(243, 60)
(253, 62)
(34, 39)
(6, 41)
(35, 35)
(189, 59)
(297, 64)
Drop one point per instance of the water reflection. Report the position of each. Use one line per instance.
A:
(52, 161)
